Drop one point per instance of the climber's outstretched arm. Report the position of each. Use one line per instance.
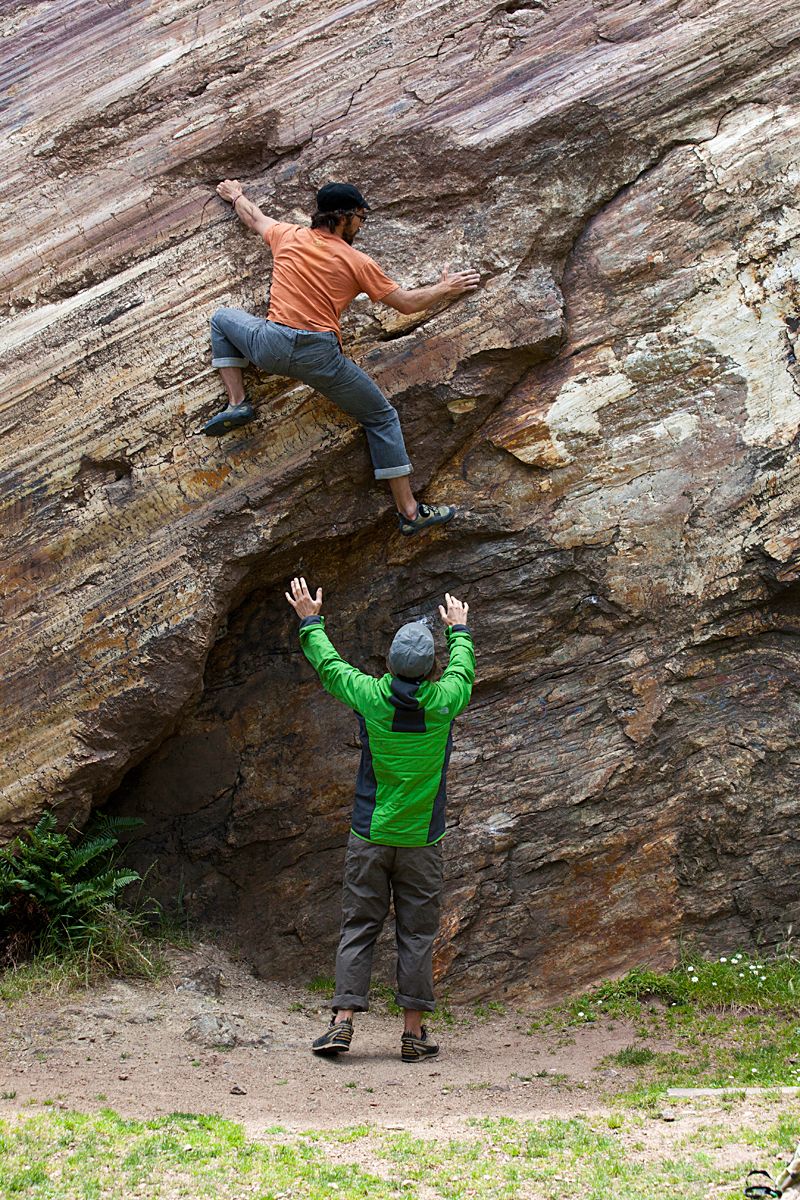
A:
(247, 212)
(411, 300)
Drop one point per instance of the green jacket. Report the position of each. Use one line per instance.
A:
(405, 729)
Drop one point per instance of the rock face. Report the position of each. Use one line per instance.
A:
(614, 413)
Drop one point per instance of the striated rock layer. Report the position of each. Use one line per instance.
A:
(614, 412)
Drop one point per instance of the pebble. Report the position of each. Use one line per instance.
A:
(210, 1030)
(207, 981)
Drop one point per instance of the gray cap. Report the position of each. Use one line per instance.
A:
(411, 653)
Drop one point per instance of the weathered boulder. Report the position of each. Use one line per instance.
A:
(614, 412)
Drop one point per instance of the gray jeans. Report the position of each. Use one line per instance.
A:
(237, 338)
(413, 876)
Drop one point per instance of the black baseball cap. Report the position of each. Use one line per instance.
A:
(336, 196)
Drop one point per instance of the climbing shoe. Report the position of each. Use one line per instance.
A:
(427, 514)
(229, 418)
(415, 1049)
(337, 1037)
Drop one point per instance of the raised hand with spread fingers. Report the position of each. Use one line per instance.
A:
(301, 600)
(453, 612)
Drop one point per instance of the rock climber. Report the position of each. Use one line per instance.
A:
(395, 844)
(317, 272)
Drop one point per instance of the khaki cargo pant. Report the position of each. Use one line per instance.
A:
(412, 875)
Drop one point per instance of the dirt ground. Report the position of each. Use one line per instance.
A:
(147, 1050)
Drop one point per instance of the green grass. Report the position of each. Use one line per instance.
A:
(69, 1156)
(483, 1012)
(75, 1157)
(384, 994)
(730, 1022)
(322, 985)
(719, 1050)
(733, 982)
(596, 1159)
(128, 944)
(64, 972)
(633, 1056)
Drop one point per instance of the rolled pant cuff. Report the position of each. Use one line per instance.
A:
(413, 1002)
(391, 472)
(347, 1000)
(230, 362)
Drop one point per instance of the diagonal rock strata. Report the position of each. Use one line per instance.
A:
(615, 413)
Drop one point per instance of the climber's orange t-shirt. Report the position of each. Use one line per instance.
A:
(315, 276)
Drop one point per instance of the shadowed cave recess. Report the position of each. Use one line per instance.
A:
(596, 821)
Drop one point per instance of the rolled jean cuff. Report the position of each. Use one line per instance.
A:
(412, 1002)
(392, 472)
(347, 1000)
(230, 362)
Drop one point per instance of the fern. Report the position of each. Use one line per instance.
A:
(60, 886)
(81, 855)
(107, 826)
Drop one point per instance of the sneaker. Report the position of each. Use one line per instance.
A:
(415, 1049)
(229, 418)
(427, 514)
(337, 1037)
